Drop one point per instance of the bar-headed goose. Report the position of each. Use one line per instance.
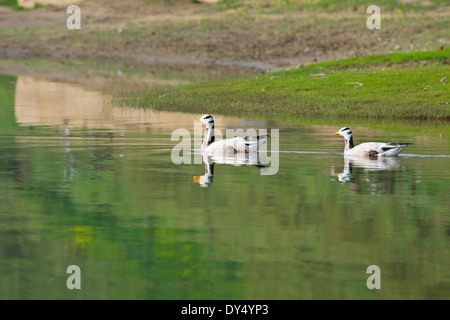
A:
(371, 149)
(227, 147)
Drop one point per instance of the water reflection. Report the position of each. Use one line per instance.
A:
(121, 212)
(207, 179)
(372, 171)
(43, 102)
(99, 146)
(254, 159)
(69, 164)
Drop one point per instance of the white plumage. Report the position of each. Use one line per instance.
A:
(370, 149)
(227, 147)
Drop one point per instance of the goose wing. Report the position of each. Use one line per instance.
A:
(393, 149)
(231, 146)
(242, 144)
(391, 146)
(378, 148)
(252, 143)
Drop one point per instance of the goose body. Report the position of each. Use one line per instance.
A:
(370, 149)
(227, 147)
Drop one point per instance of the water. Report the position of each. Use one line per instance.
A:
(83, 183)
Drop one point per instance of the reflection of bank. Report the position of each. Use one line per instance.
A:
(371, 173)
(99, 153)
(7, 87)
(42, 102)
(254, 159)
(67, 107)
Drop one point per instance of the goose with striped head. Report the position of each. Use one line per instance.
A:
(227, 147)
(370, 149)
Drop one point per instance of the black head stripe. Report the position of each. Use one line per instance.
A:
(347, 129)
(207, 117)
(211, 121)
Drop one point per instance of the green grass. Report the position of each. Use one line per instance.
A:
(15, 5)
(403, 86)
(10, 3)
(441, 57)
(330, 5)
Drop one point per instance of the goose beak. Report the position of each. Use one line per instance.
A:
(336, 174)
(198, 120)
(336, 133)
(196, 179)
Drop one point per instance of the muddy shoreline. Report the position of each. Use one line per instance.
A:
(183, 32)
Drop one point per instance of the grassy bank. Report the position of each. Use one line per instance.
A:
(10, 3)
(401, 86)
(328, 5)
(236, 31)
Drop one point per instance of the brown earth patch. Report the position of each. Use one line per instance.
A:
(138, 30)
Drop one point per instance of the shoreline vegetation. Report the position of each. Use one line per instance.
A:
(400, 87)
(270, 6)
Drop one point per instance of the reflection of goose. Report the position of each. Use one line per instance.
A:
(372, 149)
(207, 179)
(227, 147)
(370, 164)
(251, 159)
(69, 165)
(345, 175)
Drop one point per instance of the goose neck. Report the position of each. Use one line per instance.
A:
(209, 136)
(349, 143)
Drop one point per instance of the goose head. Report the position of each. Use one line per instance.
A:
(345, 132)
(207, 120)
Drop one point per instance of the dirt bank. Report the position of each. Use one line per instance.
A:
(136, 30)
